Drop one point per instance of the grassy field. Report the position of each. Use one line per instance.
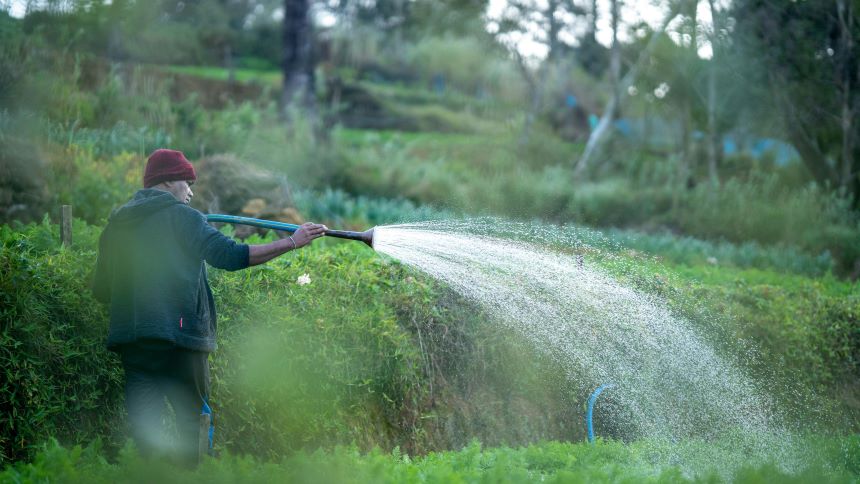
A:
(269, 77)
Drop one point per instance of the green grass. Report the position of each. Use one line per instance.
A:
(555, 462)
(270, 77)
(450, 99)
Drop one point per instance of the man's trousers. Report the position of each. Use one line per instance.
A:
(182, 377)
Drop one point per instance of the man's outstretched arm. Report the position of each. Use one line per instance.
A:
(261, 253)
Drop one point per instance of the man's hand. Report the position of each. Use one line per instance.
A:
(307, 233)
(258, 254)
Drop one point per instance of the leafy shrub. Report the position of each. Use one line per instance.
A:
(688, 250)
(344, 210)
(464, 63)
(23, 186)
(95, 186)
(762, 210)
(796, 335)
(367, 352)
(57, 379)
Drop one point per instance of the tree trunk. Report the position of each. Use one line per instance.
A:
(228, 64)
(554, 27)
(846, 27)
(536, 86)
(847, 138)
(615, 53)
(298, 66)
(714, 142)
(593, 28)
(685, 160)
(602, 131)
(687, 151)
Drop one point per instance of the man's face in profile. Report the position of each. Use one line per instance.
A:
(181, 190)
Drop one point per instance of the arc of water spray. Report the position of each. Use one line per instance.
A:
(591, 401)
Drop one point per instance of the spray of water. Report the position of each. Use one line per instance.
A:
(672, 387)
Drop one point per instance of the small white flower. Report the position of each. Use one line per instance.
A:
(712, 260)
(303, 279)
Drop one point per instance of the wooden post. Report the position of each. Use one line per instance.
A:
(203, 437)
(66, 226)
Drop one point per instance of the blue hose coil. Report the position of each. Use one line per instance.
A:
(591, 400)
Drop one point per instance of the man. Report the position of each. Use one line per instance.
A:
(151, 274)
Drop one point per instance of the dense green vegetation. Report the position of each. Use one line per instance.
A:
(366, 353)
(544, 462)
(422, 114)
(373, 354)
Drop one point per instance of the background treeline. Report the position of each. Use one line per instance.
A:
(436, 102)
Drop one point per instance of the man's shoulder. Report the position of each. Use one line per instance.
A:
(185, 212)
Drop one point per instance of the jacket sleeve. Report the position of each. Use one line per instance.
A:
(202, 239)
(102, 277)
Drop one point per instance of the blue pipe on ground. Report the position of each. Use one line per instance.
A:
(591, 400)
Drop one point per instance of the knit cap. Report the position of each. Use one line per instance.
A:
(167, 165)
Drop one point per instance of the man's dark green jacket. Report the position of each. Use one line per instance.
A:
(152, 275)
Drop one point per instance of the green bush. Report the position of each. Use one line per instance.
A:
(691, 251)
(368, 352)
(798, 336)
(463, 62)
(57, 379)
(94, 186)
(762, 210)
(340, 209)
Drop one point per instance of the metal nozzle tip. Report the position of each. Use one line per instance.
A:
(367, 237)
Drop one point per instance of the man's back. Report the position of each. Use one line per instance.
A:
(152, 274)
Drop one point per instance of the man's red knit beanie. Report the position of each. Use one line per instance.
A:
(167, 165)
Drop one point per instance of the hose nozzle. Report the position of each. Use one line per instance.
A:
(366, 236)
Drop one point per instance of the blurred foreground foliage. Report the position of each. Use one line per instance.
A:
(552, 462)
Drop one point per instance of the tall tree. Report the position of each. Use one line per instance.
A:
(590, 53)
(539, 22)
(804, 52)
(689, 35)
(714, 142)
(847, 71)
(602, 131)
(298, 64)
